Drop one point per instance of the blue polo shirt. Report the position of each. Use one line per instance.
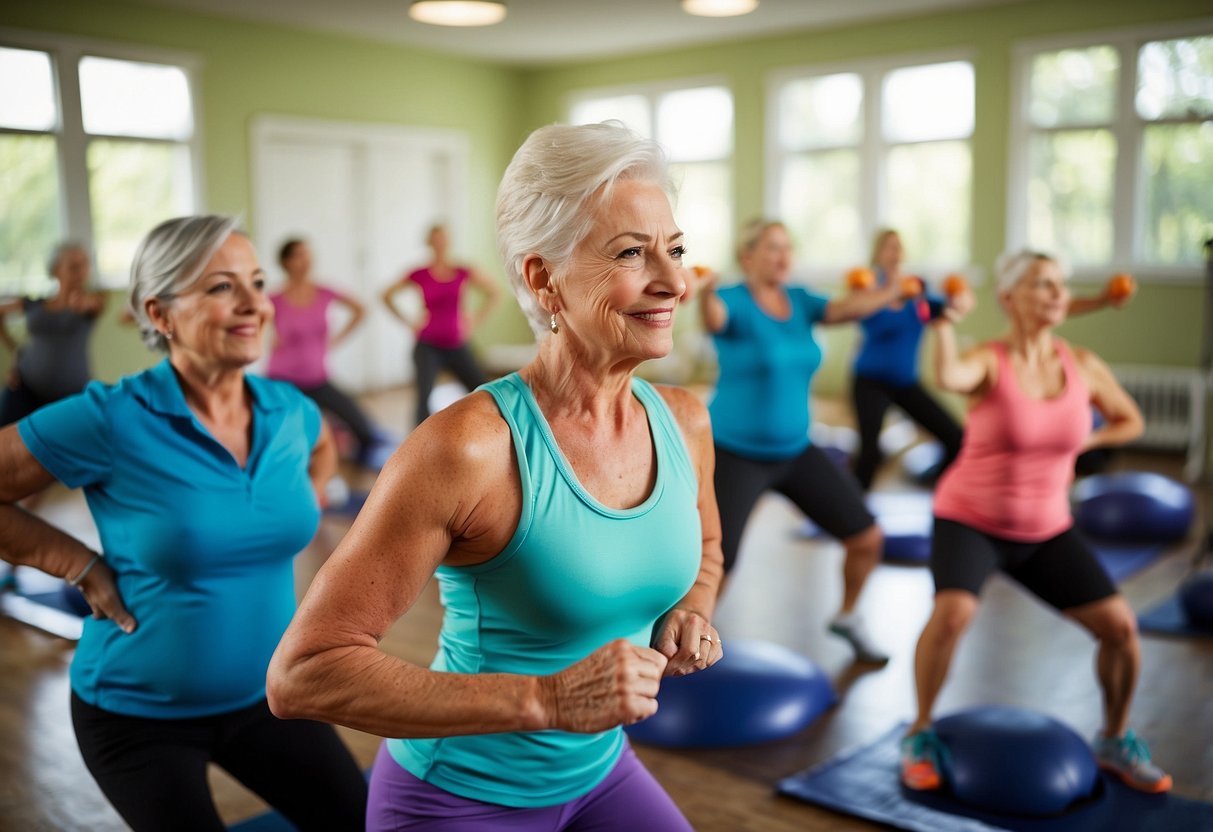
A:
(202, 548)
(760, 408)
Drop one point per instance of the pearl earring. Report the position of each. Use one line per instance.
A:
(553, 325)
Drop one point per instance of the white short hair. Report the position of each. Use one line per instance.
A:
(1011, 267)
(169, 260)
(546, 193)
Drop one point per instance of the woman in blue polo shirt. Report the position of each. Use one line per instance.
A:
(204, 484)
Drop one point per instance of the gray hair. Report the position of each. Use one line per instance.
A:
(752, 232)
(169, 260)
(1011, 267)
(546, 197)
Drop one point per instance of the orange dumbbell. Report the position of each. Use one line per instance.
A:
(861, 278)
(912, 287)
(700, 271)
(1120, 286)
(955, 284)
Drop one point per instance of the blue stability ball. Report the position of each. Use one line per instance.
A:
(1015, 761)
(1133, 505)
(905, 520)
(758, 692)
(1196, 598)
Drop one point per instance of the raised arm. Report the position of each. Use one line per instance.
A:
(712, 311)
(855, 305)
(678, 638)
(28, 540)
(1122, 418)
(439, 499)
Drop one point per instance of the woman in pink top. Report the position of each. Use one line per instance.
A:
(302, 340)
(1004, 505)
(442, 337)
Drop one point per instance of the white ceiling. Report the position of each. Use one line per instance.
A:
(539, 32)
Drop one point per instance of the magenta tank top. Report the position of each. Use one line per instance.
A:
(444, 328)
(302, 339)
(1013, 474)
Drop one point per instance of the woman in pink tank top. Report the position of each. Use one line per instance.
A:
(1004, 505)
(442, 335)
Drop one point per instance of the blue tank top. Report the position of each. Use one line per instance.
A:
(760, 408)
(575, 575)
(891, 337)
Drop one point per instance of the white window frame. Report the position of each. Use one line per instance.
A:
(75, 204)
(872, 148)
(1127, 128)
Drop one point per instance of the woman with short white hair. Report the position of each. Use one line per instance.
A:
(1004, 505)
(568, 513)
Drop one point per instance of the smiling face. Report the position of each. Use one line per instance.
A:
(769, 260)
(219, 320)
(1040, 298)
(618, 292)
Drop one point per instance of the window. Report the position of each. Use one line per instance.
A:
(868, 146)
(695, 126)
(1114, 163)
(93, 147)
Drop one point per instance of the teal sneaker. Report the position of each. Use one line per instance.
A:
(1129, 759)
(921, 760)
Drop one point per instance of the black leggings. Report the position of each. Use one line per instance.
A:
(153, 771)
(430, 359)
(872, 399)
(331, 399)
(826, 494)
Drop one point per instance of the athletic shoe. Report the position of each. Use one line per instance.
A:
(851, 627)
(1129, 759)
(921, 755)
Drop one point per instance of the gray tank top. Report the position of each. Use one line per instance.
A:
(54, 362)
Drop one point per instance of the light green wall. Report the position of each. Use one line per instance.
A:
(1163, 323)
(250, 69)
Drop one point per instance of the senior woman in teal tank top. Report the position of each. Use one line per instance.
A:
(569, 514)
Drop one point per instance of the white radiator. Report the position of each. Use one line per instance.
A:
(1173, 402)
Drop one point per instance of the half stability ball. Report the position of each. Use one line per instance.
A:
(758, 692)
(1015, 761)
(1133, 505)
(1196, 598)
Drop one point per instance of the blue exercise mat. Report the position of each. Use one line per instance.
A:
(863, 782)
(1123, 560)
(1169, 618)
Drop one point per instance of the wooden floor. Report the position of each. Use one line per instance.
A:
(783, 591)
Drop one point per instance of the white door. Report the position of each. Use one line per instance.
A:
(363, 196)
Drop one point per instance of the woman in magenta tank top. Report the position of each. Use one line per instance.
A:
(442, 337)
(1004, 505)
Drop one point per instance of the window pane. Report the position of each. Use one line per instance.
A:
(124, 98)
(696, 125)
(922, 103)
(134, 185)
(1070, 191)
(819, 201)
(29, 212)
(929, 200)
(704, 212)
(1073, 87)
(632, 110)
(1175, 79)
(821, 112)
(27, 90)
(1179, 191)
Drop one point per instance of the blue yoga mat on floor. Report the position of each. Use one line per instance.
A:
(1169, 618)
(864, 783)
(1123, 560)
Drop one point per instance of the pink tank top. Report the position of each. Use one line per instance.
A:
(1013, 474)
(302, 339)
(445, 325)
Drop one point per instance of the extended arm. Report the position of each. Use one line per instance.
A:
(853, 306)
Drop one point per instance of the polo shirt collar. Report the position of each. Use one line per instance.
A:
(164, 394)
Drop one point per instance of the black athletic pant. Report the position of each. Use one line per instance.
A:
(872, 399)
(153, 771)
(430, 359)
(330, 399)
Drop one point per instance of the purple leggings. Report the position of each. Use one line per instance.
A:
(629, 798)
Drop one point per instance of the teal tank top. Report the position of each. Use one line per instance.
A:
(575, 575)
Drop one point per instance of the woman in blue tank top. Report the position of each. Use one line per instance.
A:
(568, 513)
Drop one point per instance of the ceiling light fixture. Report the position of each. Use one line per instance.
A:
(458, 12)
(719, 8)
